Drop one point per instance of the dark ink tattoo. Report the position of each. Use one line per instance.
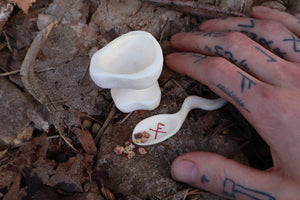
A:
(230, 56)
(262, 41)
(265, 43)
(244, 80)
(252, 35)
(278, 52)
(199, 58)
(232, 95)
(183, 53)
(295, 42)
(271, 59)
(207, 48)
(204, 179)
(251, 25)
(218, 50)
(244, 64)
(233, 190)
(212, 34)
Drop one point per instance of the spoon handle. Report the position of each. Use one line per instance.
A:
(193, 102)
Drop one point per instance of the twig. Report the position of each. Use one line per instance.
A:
(66, 141)
(196, 8)
(27, 69)
(53, 137)
(10, 73)
(174, 81)
(163, 31)
(80, 113)
(7, 41)
(18, 71)
(108, 119)
(125, 118)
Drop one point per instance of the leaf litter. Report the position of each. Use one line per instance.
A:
(74, 157)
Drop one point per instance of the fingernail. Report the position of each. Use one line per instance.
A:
(184, 171)
(207, 24)
(261, 9)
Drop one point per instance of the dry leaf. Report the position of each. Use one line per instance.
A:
(27, 69)
(5, 10)
(23, 4)
(87, 142)
(14, 191)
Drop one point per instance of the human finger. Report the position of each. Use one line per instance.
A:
(269, 33)
(262, 104)
(224, 78)
(288, 20)
(241, 51)
(230, 179)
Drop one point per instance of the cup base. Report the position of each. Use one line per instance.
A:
(128, 100)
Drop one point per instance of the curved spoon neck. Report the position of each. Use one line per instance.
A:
(186, 107)
(193, 102)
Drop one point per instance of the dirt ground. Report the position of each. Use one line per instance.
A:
(59, 130)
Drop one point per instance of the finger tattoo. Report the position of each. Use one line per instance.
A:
(295, 42)
(251, 25)
(233, 189)
(199, 58)
(271, 59)
(244, 81)
(230, 93)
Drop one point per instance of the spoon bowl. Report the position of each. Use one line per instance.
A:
(160, 127)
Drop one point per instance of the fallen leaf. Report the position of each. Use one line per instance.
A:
(24, 4)
(70, 176)
(87, 142)
(14, 192)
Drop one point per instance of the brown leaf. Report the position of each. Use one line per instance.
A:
(14, 192)
(24, 4)
(87, 141)
(70, 176)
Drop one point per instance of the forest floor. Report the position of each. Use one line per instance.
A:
(59, 130)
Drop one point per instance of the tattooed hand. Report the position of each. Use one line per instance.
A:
(254, 63)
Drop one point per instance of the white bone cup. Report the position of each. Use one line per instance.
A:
(130, 65)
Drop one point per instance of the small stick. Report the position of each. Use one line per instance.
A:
(7, 41)
(196, 8)
(125, 118)
(53, 137)
(108, 119)
(18, 71)
(27, 69)
(66, 141)
(80, 113)
(174, 81)
(9, 73)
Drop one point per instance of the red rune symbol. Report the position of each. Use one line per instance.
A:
(157, 129)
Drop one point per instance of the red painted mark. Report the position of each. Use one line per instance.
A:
(158, 129)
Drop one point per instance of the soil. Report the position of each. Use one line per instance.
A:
(59, 130)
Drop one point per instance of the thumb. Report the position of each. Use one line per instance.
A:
(225, 177)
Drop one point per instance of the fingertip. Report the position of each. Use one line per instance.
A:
(260, 9)
(173, 61)
(176, 37)
(207, 25)
(170, 57)
(185, 171)
(263, 12)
